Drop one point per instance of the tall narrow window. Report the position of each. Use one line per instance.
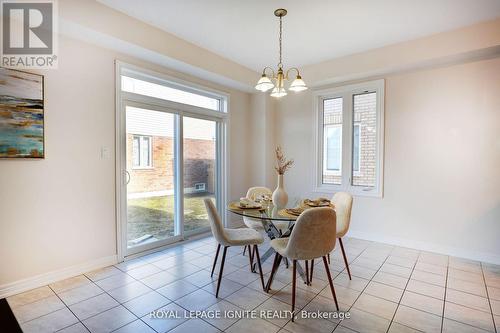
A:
(350, 139)
(332, 141)
(365, 139)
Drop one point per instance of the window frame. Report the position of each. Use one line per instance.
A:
(347, 93)
(142, 166)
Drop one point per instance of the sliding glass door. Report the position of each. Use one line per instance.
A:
(151, 177)
(200, 171)
(170, 157)
(164, 149)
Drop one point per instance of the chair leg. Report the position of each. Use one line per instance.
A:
(307, 272)
(244, 250)
(286, 262)
(221, 269)
(215, 260)
(345, 258)
(256, 254)
(272, 272)
(276, 265)
(329, 259)
(294, 280)
(331, 282)
(312, 268)
(250, 257)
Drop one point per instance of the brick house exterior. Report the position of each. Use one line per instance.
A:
(199, 164)
(150, 144)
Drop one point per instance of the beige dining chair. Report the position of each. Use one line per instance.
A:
(254, 193)
(343, 207)
(313, 236)
(231, 237)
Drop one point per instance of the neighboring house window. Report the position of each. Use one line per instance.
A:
(142, 151)
(350, 139)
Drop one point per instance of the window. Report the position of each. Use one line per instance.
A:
(169, 93)
(141, 154)
(333, 147)
(350, 139)
(199, 187)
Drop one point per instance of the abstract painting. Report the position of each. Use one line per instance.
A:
(21, 115)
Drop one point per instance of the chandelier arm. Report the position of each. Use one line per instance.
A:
(288, 71)
(272, 71)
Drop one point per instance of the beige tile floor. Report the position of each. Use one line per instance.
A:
(393, 289)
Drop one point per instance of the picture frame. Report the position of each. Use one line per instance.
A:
(22, 115)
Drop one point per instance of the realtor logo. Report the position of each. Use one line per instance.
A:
(29, 34)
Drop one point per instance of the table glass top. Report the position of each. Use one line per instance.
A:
(269, 211)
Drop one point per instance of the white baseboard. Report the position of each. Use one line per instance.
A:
(20, 286)
(426, 246)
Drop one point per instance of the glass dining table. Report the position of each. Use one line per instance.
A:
(277, 223)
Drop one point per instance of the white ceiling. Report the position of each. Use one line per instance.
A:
(314, 31)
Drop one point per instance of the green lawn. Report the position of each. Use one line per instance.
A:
(155, 215)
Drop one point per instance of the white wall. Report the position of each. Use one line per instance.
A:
(442, 160)
(60, 211)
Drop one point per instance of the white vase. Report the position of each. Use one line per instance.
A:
(280, 197)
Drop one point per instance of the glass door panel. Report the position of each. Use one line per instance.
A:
(151, 176)
(200, 171)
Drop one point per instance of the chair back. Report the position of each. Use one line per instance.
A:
(313, 234)
(343, 207)
(258, 191)
(215, 221)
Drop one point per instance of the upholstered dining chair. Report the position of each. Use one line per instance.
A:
(343, 207)
(231, 237)
(254, 193)
(313, 236)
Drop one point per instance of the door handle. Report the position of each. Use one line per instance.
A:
(127, 177)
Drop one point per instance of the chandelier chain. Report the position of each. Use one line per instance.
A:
(281, 32)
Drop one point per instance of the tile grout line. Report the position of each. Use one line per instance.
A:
(119, 303)
(333, 279)
(488, 297)
(286, 285)
(404, 290)
(103, 292)
(256, 306)
(171, 301)
(445, 291)
(362, 291)
(67, 307)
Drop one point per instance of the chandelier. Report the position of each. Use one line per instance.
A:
(279, 77)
